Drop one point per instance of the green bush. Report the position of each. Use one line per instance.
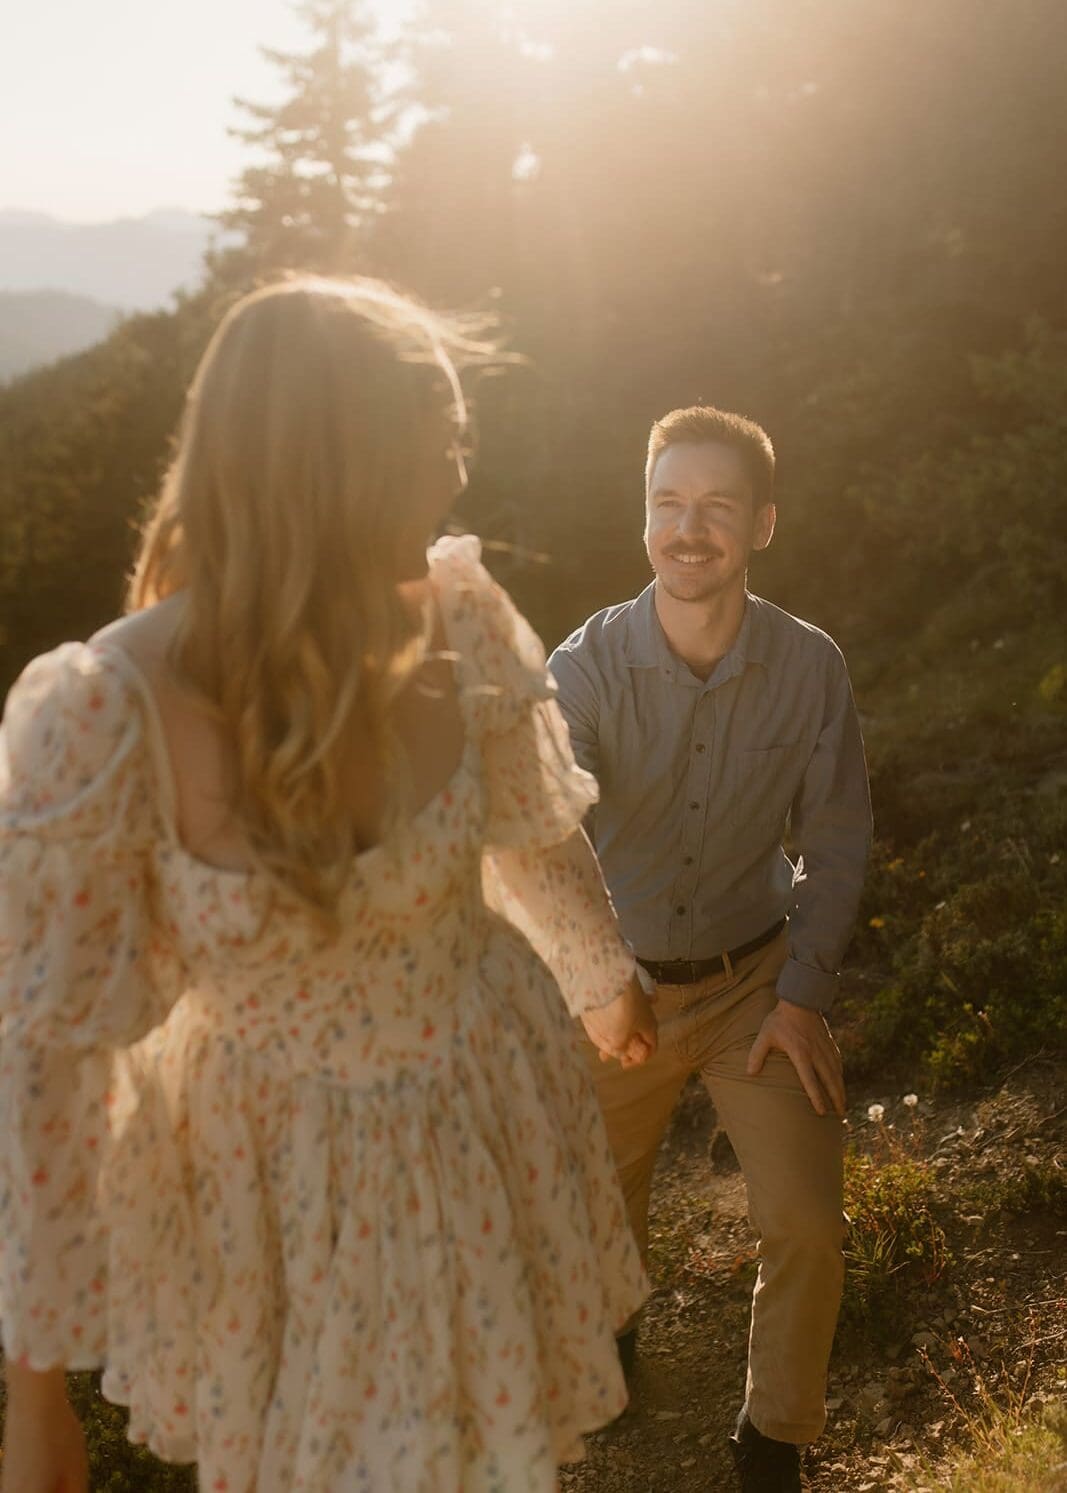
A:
(893, 1237)
(977, 972)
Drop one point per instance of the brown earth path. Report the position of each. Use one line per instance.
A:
(889, 1417)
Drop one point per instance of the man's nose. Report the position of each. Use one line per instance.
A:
(693, 521)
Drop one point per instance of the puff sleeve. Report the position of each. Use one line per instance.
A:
(538, 868)
(83, 975)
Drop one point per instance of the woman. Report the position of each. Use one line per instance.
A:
(296, 1143)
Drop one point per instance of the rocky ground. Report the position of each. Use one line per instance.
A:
(911, 1384)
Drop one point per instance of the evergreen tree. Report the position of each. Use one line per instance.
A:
(308, 205)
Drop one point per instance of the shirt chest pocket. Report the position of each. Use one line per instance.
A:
(762, 784)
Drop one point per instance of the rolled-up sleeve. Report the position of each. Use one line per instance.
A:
(831, 829)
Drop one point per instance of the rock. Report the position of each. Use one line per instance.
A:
(834, 1404)
(871, 1399)
(901, 1384)
(924, 1339)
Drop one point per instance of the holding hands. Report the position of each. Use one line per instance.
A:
(625, 1028)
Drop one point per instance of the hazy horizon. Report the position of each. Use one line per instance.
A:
(160, 210)
(122, 110)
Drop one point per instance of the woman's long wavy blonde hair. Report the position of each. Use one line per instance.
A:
(282, 520)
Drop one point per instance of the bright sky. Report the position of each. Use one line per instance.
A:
(111, 108)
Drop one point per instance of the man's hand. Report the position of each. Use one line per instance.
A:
(804, 1037)
(625, 1028)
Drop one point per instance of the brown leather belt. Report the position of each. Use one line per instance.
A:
(689, 971)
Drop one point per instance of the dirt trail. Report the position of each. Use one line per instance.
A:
(887, 1413)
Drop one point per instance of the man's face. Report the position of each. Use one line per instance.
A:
(701, 524)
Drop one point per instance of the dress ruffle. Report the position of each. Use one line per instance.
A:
(427, 1245)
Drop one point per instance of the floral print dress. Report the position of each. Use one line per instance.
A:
(332, 1215)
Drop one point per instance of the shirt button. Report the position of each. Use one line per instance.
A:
(687, 860)
(694, 804)
(680, 911)
(700, 746)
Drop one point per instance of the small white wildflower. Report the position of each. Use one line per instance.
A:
(911, 1100)
(876, 1113)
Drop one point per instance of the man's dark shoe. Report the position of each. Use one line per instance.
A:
(763, 1465)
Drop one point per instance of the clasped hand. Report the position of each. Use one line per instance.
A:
(625, 1028)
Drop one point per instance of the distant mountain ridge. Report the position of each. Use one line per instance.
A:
(39, 326)
(133, 263)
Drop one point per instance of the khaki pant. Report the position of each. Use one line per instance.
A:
(791, 1160)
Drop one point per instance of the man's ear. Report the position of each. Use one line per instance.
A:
(764, 531)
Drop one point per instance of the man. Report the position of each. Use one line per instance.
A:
(713, 720)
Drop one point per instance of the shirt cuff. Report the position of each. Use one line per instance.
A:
(804, 985)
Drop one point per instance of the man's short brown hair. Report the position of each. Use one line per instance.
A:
(703, 423)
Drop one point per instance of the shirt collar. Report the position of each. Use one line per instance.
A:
(646, 645)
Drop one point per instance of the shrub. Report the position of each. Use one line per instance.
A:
(893, 1234)
(971, 934)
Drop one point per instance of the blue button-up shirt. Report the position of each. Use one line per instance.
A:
(702, 781)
